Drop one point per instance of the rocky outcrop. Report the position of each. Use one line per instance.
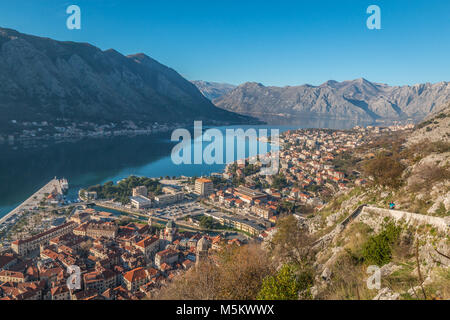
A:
(434, 129)
(386, 294)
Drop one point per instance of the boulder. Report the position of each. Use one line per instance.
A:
(326, 274)
(386, 294)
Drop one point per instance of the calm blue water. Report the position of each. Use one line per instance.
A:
(24, 169)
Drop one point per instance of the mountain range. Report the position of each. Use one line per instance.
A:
(43, 79)
(213, 90)
(357, 99)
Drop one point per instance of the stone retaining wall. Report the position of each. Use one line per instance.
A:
(440, 223)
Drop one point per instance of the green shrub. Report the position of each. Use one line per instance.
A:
(442, 211)
(285, 284)
(378, 249)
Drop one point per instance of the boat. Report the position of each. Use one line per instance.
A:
(64, 185)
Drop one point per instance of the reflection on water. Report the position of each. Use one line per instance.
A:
(23, 170)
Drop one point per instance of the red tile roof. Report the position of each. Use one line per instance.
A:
(135, 275)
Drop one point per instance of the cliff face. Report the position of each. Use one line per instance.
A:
(42, 79)
(357, 99)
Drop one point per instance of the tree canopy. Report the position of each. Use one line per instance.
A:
(124, 189)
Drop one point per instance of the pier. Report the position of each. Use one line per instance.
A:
(58, 186)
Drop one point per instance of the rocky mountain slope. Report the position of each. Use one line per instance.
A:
(435, 128)
(410, 244)
(213, 90)
(42, 79)
(357, 99)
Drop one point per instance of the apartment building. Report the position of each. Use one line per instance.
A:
(106, 229)
(99, 280)
(168, 256)
(24, 246)
(204, 187)
(169, 198)
(12, 276)
(263, 211)
(148, 246)
(135, 278)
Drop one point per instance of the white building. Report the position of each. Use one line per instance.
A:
(204, 187)
(140, 202)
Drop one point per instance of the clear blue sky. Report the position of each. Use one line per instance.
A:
(272, 42)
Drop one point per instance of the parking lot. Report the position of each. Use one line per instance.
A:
(179, 211)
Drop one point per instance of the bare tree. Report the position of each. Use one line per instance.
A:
(235, 273)
(292, 242)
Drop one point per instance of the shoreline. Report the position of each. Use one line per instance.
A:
(223, 169)
(47, 188)
(109, 134)
(7, 212)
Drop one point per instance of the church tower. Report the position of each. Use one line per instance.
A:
(169, 232)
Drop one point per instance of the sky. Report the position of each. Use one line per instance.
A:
(272, 42)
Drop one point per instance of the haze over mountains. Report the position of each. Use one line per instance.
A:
(42, 79)
(213, 90)
(357, 99)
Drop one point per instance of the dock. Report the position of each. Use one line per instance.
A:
(58, 186)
